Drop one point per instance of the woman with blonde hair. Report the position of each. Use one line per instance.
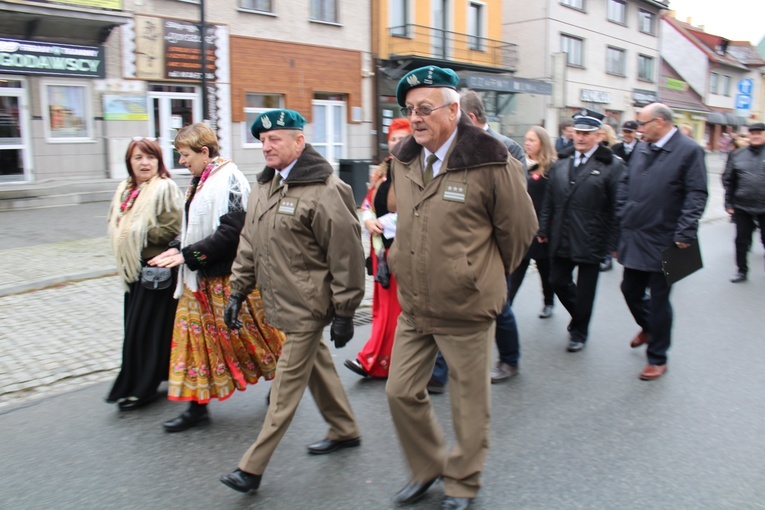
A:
(608, 136)
(540, 156)
(145, 216)
(209, 361)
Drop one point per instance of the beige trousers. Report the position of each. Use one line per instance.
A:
(422, 440)
(305, 361)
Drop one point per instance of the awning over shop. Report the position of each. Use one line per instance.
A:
(716, 118)
(734, 120)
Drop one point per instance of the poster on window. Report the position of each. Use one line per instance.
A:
(67, 111)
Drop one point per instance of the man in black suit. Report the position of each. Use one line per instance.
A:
(565, 141)
(629, 141)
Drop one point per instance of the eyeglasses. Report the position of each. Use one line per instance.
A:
(422, 111)
(141, 138)
(642, 123)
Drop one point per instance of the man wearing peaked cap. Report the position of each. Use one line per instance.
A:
(579, 223)
(455, 242)
(626, 147)
(301, 245)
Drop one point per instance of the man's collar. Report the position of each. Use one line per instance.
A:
(663, 141)
(441, 151)
(285, 172)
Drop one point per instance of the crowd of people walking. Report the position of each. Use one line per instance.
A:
(238, 283)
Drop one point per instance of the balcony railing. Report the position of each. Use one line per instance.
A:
(428, 42)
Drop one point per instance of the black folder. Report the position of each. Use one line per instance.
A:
(678, 263)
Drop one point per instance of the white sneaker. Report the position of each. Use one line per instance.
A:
(503, 371)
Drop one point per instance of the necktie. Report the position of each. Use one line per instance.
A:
(427, 174)
(275, 182)
(582, 159)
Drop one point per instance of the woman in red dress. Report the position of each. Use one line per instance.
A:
(374, 358)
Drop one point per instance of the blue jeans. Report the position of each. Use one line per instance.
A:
(507, 339)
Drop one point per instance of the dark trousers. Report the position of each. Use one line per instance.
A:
(517, 276)
(652, 313)
(578, 298)
(744, 229)
(506, 336)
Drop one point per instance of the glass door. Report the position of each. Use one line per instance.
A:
(13, 132)
(172, 107)
(329, 126)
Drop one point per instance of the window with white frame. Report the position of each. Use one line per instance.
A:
(645, 68)
(257, 5)
(324, 10)
(616, 59)
(617, 11)
(576, 4)
(714, 79)
(725, 86)
(398, 12)
(254, 105)
(329, 126)
(67, 112)
(476, 26)
(646, 22)
(572, 47)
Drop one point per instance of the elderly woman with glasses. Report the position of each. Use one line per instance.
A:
(145, 216)
(208, 360)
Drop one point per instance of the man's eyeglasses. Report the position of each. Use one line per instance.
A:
(141, 138)
(642, 123)
(422, 111)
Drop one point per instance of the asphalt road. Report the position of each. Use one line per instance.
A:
(572, 431)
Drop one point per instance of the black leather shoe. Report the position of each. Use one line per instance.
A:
(452, 503)
(738, 278)
(355, 367)
(241, 481)
(132, 403)
(186, 420)
(435, 388)
(329, 445)
(413, 491)
(575, 346)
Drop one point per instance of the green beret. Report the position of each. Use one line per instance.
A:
(276, 119)
(429, 76)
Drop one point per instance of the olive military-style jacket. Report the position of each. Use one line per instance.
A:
(301, 245)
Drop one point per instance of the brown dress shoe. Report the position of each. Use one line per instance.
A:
(640, 339)
(651, 372)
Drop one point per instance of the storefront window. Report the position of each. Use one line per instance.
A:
(66, 110)
(255, 104)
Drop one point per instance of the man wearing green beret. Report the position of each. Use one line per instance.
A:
(301, 245)
(465, 221)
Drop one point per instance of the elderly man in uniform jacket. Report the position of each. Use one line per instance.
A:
(578, 219)
(626, 147)
(301, 245)
(661, 200)
(464, 222)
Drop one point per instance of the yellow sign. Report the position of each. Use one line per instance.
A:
(98, 4)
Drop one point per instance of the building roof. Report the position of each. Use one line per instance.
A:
(715, 47)
(676, 93)
(744, 52)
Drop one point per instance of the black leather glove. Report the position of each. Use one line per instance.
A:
(341, 330)
(231, 313)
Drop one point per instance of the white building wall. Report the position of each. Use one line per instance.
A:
(686, 58)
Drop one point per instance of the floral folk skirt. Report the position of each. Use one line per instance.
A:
(209, 361)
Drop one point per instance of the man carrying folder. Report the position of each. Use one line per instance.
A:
(660, 201)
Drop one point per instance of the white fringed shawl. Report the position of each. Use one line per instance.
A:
(210, 202)
(130, 236)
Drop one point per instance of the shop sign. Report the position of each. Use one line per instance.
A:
(642, 97)
(595, 96)
(98, 4)
(125, 107)
(506, 84)
(674, 84)
(35, 57)
(172, 49)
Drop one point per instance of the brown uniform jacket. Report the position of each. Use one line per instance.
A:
(301, 245)
(457, 238)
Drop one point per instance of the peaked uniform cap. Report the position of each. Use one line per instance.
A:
(428, 76)
(630, 125)
(277, 119)
(588, 120)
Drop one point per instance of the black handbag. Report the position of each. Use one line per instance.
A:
(156, 278)
(383, 272)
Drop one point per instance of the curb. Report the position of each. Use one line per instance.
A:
(50, 281)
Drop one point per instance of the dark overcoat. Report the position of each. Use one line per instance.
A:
(578, 212)
(660, 201)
